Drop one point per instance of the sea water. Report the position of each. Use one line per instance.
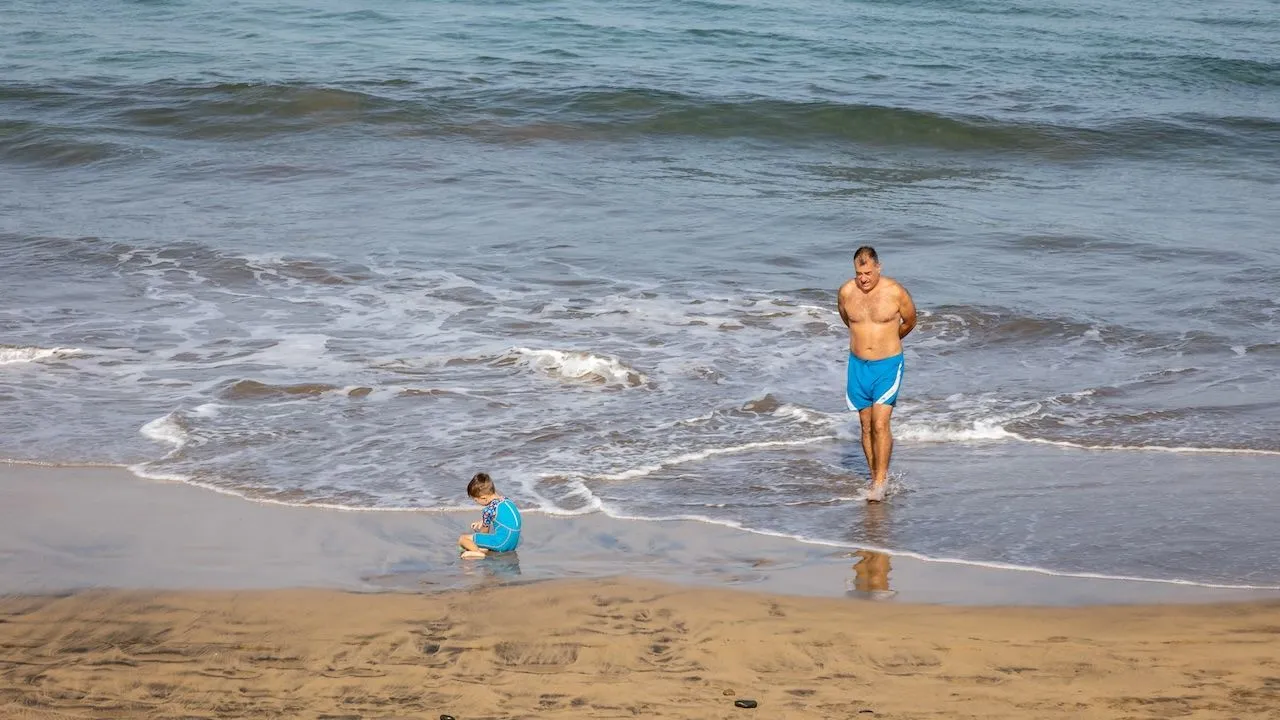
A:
(348, 254)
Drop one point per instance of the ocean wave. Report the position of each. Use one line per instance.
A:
(200, 263)
(1202, 70)
(52, 146)
(252, 110)
(15, 354)
(247, 111)
(772, 406)
(574, 365)
(974, 327)
(255, 390)
(971, 326)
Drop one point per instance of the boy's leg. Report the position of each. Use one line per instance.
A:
(468, 544)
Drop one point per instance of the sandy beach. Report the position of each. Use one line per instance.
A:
(126, 598)
(617, 648)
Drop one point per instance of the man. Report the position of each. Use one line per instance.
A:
(879, 313)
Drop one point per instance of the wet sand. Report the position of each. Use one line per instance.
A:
(72, 528)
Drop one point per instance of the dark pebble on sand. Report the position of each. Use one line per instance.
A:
(744, 703)
(446, 717)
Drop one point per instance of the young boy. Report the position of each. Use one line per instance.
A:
(499, 526)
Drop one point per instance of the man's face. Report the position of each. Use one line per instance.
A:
(868, 273)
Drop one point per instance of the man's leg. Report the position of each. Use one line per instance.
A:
(868, 449)
(881, 445)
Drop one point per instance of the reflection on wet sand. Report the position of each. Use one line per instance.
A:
(496, 567)
(871, 576)
(871, 569)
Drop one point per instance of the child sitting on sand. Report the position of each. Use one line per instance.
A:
(499, 527)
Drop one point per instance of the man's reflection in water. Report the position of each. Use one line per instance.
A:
(874, 522)
(871, 569)
(871, 575)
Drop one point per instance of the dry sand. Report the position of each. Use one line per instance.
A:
(619, 648)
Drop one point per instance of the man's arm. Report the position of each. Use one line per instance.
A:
(907, 309)
(840, 304)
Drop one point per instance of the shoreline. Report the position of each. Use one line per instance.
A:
(71, 528)
(122, 597)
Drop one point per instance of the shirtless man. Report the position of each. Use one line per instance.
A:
(879, 313)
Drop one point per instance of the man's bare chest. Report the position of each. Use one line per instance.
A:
(877, 308)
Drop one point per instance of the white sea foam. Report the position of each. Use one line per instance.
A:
(207, 410)
(978, 431)
(1189, 450)
(698, 420)
(576, 489)
(815, 311)
(10, 355)
(167, 429)
(57, 464)
(708, 453)
(145, 472)
(805, 415)
(829, 501)
(988, 430)
(576, 365)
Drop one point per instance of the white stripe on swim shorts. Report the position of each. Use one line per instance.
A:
(897, 380)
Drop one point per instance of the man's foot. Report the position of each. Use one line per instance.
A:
(876, 493)
(472, 555)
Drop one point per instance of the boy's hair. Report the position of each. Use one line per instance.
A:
(480, 486)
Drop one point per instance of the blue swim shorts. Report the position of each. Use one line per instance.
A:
(873, 382)
(504, 534)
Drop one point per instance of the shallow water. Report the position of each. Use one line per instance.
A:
(350, 255)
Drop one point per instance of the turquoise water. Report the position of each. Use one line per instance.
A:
(324, 253)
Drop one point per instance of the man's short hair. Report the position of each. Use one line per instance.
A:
(480, 486)
(867, 252)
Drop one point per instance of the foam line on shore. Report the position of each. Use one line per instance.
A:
(992, 432)
(1187, 450)
(708, 453)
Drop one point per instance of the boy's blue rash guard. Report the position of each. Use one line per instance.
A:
(503, 519)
